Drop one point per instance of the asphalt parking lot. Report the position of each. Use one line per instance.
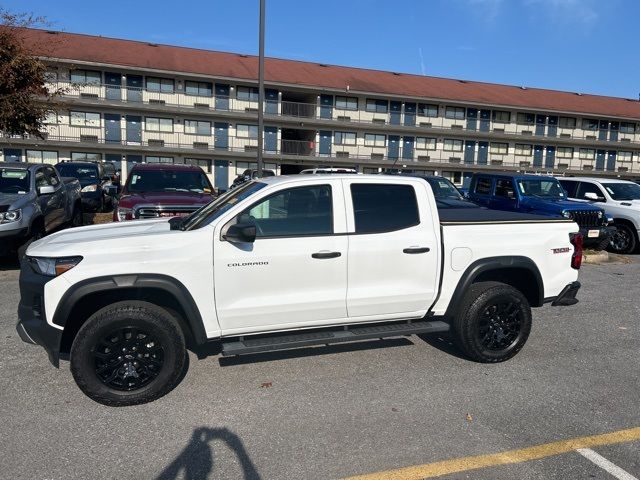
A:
(334, 412)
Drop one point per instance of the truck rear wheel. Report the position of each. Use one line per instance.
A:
(128, 353)
(493, 322)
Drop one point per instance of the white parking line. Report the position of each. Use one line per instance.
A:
(605, 464)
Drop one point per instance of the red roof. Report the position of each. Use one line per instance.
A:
(130, 53)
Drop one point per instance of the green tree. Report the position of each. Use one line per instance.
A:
(24, 98)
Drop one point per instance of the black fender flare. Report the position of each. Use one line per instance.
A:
(143, 280)
(493, 263)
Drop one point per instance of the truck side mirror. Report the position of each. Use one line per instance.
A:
(593, 197)
(46, 190)
(241, 233)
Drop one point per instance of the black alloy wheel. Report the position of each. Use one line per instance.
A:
(500, 326)
(623, 240)
(128, 358)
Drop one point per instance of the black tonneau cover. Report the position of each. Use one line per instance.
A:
(465, 216)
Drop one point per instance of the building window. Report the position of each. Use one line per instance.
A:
(424, 143)
(375, 140)
(344, 138)
(589, 124)
(377, 106)
(155, 84)
(197, 127)
(499, 148)
(565, 152)
(523, 149)
(249, 94)
(247, 131)
(455, 113)
(51, 118)
(627, 127)
(567, 122)
(86, 77)
(587, 153)
(501, 116)
(623, 156)
(154, 124)
(205, 164)
(159, 159)
(42, 156)
(525, 118)
(427, 110)
(84, 119)
(347, 103)
(201, 89)
(85, 157)
(451, 145)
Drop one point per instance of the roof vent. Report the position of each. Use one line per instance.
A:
(243, 55)
(463, 81)
(396, 73)
(579, 94)
(523, 87)
(323, 65)
(52, 32)
(152, 44)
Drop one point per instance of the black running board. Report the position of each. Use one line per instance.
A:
(285, 341)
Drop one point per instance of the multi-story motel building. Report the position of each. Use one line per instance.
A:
(129, 101)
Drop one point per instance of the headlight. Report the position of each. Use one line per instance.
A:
(125, 214)
(52, 267)
(566, 214)
(89, 188)
(10, 216)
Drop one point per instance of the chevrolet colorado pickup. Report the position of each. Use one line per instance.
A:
(286, 262)
(34, 200)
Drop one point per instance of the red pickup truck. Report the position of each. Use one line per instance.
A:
(162, 190)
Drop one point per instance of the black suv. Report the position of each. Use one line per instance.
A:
(95, 183)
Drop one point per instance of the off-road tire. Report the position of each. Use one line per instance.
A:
(146, 318)
(470, 324)
(624, 240)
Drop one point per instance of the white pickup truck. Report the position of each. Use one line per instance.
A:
(286, 262)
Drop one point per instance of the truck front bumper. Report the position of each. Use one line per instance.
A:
(567, 296)
(32, 325)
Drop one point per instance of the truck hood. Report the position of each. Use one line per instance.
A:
(76, 241)
(164, 198)
(11, 201)
(556, 205)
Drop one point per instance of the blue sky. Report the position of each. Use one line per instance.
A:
(587, 46)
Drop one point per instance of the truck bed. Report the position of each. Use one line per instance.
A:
(455, 216)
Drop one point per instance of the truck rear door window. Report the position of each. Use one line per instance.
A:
(384, 208)
(300, 211)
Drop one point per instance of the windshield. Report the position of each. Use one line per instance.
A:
(211, 211)
(546, 188)
(168, 181)
(84, 173)
(443, 188)
(14, 180)
(623, 191)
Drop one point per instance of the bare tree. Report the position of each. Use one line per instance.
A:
(25, 99)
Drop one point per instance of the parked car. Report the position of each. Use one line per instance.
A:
(286, 262)
(34, 200)
(95, 183)
(162, 190)
(446, 193)
(327, 170)
(542, 195)
(250, 174)
(620, 200)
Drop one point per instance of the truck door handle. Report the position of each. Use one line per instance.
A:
(413, 250)
(326, 255)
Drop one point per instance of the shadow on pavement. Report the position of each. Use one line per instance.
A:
(9, 262)
(198, 458)
(444, 343)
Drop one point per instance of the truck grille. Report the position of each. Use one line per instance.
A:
(156, 211)
(586, 218)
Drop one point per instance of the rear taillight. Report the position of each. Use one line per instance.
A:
(576, 258)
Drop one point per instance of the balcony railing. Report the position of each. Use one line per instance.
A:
(88, 138)
(345, 119)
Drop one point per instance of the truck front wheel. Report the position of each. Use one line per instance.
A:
(128, 353)
(493, 322)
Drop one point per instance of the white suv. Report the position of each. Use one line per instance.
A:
(620, 199)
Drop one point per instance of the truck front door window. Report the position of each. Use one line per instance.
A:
(292, 212)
